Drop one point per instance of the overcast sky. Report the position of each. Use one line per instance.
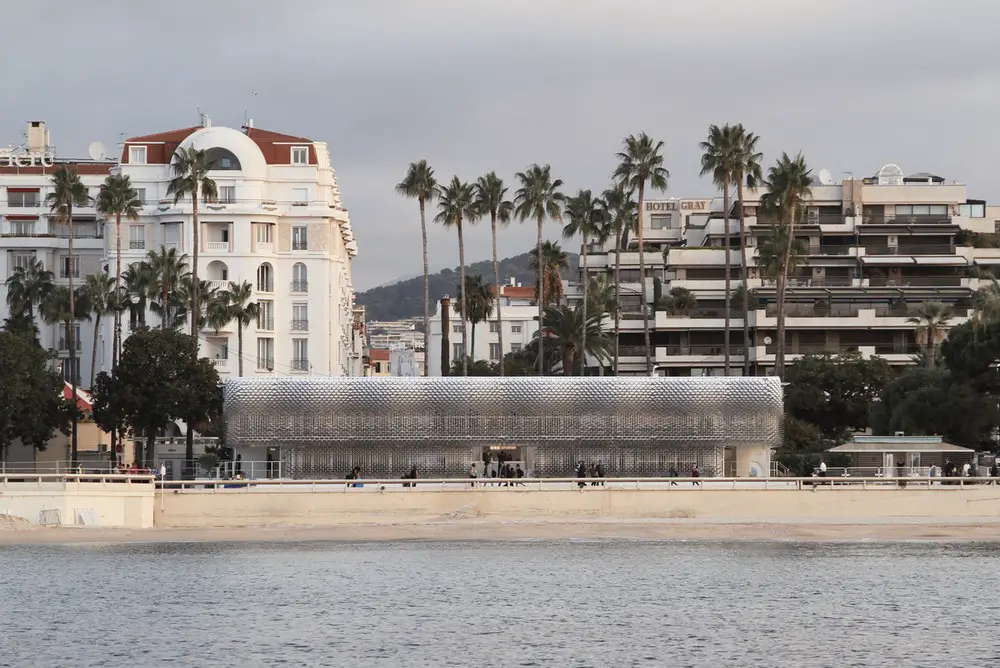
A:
(474, 85)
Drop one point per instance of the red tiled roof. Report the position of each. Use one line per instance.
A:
(269, 137)
(84, 402)
(518, 292)
(161, 145)
(170, 136)
(378, 355)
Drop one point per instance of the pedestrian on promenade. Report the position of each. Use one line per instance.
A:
(473, 473)
(519, 473)
(901, 473)
(600, 472)
(696, 473)
(994, 473)
(674, 473)
(581, 474)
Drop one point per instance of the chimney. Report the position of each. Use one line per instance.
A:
(445, 335)
(38, 137)
(513, 281)
(250, 124)
(206, 122)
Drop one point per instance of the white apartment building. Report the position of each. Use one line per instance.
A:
(876, 248)
(278, 222)
(28, 230)
(519, 312)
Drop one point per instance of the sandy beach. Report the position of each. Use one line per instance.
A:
(461, 530)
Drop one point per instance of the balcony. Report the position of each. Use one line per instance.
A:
(221, 363)
(300, 365)
(912, 249)
(830, 250)
(890, 219)
(218, 246)
(300, 325)
(137, 245)
(299, 245)
(700, 350)
(916, 281)
(300, 286)
(265, 247)
(89, 232)
(218, 284)
(631, 351)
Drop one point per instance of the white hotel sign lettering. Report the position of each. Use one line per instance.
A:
(28, 159)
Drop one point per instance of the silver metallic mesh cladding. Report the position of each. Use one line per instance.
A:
(634, 425)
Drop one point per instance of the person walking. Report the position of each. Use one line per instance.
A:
(994, 473)
(581, 474)
(473, 473)
(696, 473)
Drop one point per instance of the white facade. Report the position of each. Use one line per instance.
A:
(519, 312)
(278, 223)
(29, 230)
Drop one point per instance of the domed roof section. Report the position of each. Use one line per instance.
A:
(247, 153)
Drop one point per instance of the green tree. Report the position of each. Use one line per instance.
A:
(140, 285)
(68, 192)
(554, 262)
(622, 213)
(539, 198)
(235, 304)
(639, 162)
(420, 184)
(564, 327)
(118, 198)
(477, 306)
(586, 218)
(491, 198)
(777, 254)
(476, 368)
(27, 286)
(55, 310)
(457, 204)
(748, 173)
(190, 168)
(32, 407)
(601, 297)
(970, 352)
(168, 269)
(100, 289)
(159, 379)
(932, 321)
(789, 184)
(680, 301)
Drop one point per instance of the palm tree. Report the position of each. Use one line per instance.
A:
(622, 212)
(456, 204)
(140, 286)
(748, 173)
(68, 191)
(238, 307)
(564, 327)
(27, 287)
(789, 183)
(419, 184)
(119, 199)
(554, 262)
(100, 289)
(478, 306)
(169, 269)
(207, 296)
(681, 301)
(601, 296)
(778, 252)
(586, 218)
(190, 168)
(932, 321)
(539, 198)
(720, 158)
(639, 162)
(491, 197)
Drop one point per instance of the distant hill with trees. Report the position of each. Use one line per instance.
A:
(405, 299)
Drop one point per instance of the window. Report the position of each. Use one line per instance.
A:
(137, 155)
(265, 353)
(456, 351)
(515, 347)
(456, 329)
(222, 159)
(64, 267)
(973, 210)
(136, 236)
(265, 233)
(494, 352)
(300, 316)
(18, 198)
(265, 315)
(300, 196)
(300, 155)
(140, 194)
(660, 222)
(300, 354)
(64, 369)
(300, 281)
(64, 338)
(18, 260)
(227, 194)
(299, 237)
(265, 278)
(921, 209)
(494, 327)
(22, 228)
(515, 328)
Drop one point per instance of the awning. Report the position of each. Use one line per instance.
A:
(900, 447)
(981, 261)
(887, 259)
(945, 260)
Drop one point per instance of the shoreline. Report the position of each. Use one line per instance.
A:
(889, 530)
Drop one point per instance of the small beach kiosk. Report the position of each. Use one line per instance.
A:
(881, 455)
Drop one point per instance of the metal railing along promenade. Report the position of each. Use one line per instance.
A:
(102, 478)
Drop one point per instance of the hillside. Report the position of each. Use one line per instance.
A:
(405, 299)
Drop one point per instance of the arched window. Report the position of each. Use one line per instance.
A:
(222, 159)
(300, 278)
(265, 278)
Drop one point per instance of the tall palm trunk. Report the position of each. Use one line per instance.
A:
(779, 358)
(70, 336)
(427, 293)
(583, 334)
(541, 300)
(496, 282)
(239, 346)
(194, 261)
(618, 296)
(472, 355)
(729, 276)
(743, 273)
(461, 295)
(117, 334)
(165, 294)
(642, 282)
(93, 353)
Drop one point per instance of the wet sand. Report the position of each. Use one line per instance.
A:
(485, 530)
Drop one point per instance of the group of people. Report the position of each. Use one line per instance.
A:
(593, 471)
(510, 473)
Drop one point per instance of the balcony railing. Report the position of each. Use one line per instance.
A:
(299, 245)
(214, 284)
(702, 350)
(265, 247)
(892, 349)
(23, 204)
(220, 362)
(818, 310)
(217, 246)
(300, 325)
(300, 286)
(78, 233)
(137, 245)
(300, 364)
(830, 250)
(915, 249)
(891, 219)
(631, 351)
(933, 281)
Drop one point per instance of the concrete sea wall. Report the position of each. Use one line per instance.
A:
(106, 503)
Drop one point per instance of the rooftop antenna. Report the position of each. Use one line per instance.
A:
(246, 113)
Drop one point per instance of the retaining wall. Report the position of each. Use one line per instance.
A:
(106, 504)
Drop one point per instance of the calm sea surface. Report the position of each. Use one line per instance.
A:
(500, 604)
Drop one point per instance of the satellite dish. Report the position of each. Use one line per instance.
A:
(825, 178)
(890, 175)
(97, 150)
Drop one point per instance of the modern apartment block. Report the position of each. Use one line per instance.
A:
(278, 222)
(874, 249)
(28, 230)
